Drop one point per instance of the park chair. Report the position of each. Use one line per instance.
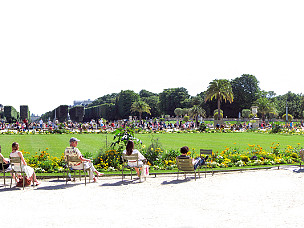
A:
(3, 170)
(16, 162)
(71, 159)
(185, 165)
(301, 153)
(209, 153)
(125, 159)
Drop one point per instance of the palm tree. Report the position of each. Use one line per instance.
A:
(140, 107)
(219, 89)
(196, 111)
(265, 107)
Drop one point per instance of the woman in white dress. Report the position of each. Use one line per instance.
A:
(130, 150)
(29, 171)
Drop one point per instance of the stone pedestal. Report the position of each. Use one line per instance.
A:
(255, 123)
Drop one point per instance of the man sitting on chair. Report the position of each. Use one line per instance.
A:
(72, 151)
(196, 162)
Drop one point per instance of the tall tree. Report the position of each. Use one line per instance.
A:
(245, 91)
(294, 103)
(265, 106)
(124, 102)
(153, 102)
(173, 98)
(220, 89)
(140, 107)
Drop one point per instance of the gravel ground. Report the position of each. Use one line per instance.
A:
(261, 198)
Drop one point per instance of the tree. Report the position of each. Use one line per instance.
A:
(294, 103)
(178, 112)
(106, 99)
(124, 102)
(153, 102)
(140, 107)
(197, 111)
(146, 93)
(265, 106)
(219, 89)
(245, 91)
(170, 99)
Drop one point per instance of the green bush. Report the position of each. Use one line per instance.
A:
(246, 113)
(215, 114)
(290, 117)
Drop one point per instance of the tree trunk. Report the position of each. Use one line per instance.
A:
(219, 109)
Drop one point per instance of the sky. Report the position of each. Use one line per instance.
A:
(55, 52)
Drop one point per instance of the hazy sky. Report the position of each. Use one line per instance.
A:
(54, 52)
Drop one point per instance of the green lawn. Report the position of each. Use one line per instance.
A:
(93, 142)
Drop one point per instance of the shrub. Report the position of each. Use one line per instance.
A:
(202, 127)
(290, 117)
(246, 113)
(153, 152)
(215, 114)
(276, 128)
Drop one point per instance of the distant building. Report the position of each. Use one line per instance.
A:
(82, 103)
(35, 118)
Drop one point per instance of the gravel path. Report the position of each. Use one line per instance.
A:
(263, 198)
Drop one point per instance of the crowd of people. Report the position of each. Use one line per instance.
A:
(148, 124)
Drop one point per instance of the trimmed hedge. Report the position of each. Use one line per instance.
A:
(77, 113)
(24, 112)
(106, 111)
(11, 114)
(62, 113)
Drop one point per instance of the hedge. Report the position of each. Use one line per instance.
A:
(11, 114)
(24, 112)
(77, 113)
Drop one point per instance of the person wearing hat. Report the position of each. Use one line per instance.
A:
(73, 150)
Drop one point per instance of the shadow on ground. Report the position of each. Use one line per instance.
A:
(121, 183)
(178, 181)
(63, 185)
(298, 170)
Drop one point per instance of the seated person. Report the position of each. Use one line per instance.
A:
(5, 160)
(73, 150)
(196, 162)
(133, 164)
(29, 171)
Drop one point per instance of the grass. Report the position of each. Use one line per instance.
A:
(93, 142)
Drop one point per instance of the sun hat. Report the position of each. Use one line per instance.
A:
(73, 139)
